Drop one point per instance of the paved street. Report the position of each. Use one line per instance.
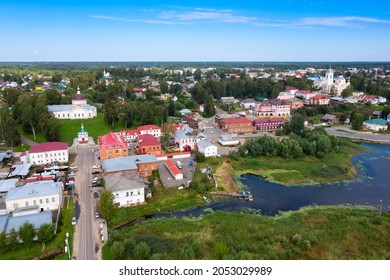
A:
(86, 243)
(346, 131)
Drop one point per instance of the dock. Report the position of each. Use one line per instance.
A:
(247, 196)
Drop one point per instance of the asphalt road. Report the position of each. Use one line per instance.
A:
(346, 131)
(85, 240)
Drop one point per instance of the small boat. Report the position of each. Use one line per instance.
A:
(206, 199)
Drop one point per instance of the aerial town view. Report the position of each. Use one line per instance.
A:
(208, 131)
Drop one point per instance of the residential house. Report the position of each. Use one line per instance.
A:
(329, 119)
(207, 148)
(112, 145)
(334, 100)
(320, 100)
(184, 112)
(148, 145)
(376, 114)
(228, 100)
(139, 92)
(40, 196)
(382, 100)
(248, 103)
(236, 125)
(270, 124)
(296, 103)
(186, 139)
(127, 188)
(47, 152)
(291, 89)
(191, 122)
(144, 165)
(375, 124)
(285, 95)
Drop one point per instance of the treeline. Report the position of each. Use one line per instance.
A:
(299, 143)
(246, 87)
(26, 236)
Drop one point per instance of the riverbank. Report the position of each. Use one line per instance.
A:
(334, 167)
(318, 233)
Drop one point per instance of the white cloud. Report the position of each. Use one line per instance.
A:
(349, 21)
(151, 21)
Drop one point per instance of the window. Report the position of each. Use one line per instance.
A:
(53, 199)
(41, 201)
(131, 193)
(117, 151)
(127, 193)
(16, 205)
(26, 203)
(47, 200)
(34, 202)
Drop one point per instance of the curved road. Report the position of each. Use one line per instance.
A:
(346, 131)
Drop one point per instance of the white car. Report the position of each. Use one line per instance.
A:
(74, 221)
(95, 166)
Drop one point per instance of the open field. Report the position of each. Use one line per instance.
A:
(314, 233)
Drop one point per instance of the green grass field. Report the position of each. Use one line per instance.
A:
(333, 167)
(95, 127)
(315, 233)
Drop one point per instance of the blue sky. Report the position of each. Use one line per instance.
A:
(277, 30)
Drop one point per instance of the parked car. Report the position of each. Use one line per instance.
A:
(95, 166)
(97, 215)
(95, 180)
(96, 172)
(74, 221)
(97, 184)
(96, 195)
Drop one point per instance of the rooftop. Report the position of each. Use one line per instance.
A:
(127, 163)
(148, 140)
(376, 121)
(235, 120)
(35, 189)
(121, 181)
(111, 140)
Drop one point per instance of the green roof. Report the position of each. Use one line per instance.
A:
(376, 121)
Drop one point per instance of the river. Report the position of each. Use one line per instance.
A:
(370, 187)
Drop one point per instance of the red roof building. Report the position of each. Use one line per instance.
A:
(268, 124)
(112, 145)
(47, 152)
(319, 100)
(236, 125)
(148, 144)
(174, 170)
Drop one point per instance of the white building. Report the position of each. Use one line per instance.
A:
(151, 129)
(41, 196)
(186, 139)
(207, 148)
(229, 139)
(375, 124)
(128, 188)
(47, 152)
(79, 109)
(331, 85)
(248, 103)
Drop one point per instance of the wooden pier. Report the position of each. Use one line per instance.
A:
(248, 197)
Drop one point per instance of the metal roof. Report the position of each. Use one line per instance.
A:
(6, 185)
(20, 170)
(126, 163)
(204, 144)
(34, 189)
(122, 181)
(36, 220)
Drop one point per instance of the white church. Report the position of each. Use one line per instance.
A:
(331, 85)
(79, 109)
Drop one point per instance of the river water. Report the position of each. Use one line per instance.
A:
(370, 187)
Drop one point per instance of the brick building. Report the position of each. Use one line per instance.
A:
(268, 124)
(236, 125)
(112, 145)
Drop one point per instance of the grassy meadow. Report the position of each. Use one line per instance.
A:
(314, 233)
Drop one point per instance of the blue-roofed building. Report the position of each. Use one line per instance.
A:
(6, 185)
(207, 148)
(79, 109)
(20, 170)
(3, 222)
(36, 220)
(41, 195)
(144, 165)
(186, 139)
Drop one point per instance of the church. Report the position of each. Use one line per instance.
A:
(330, 85)
(79, 109)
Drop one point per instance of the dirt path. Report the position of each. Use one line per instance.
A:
(225, 178)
